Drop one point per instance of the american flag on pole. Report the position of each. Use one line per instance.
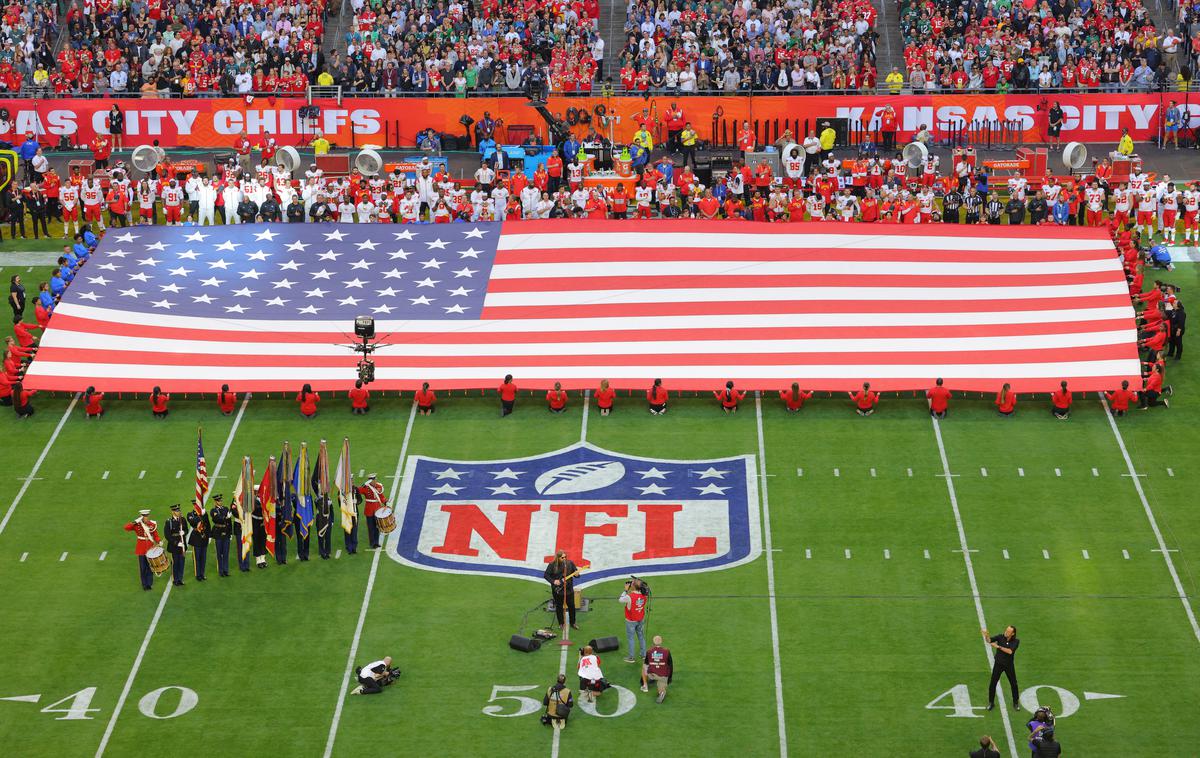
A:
(830, 305)
(201, 475)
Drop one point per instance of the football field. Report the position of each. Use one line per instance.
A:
(882, 545)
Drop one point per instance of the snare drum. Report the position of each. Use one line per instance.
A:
(158, 560)
(385, 520)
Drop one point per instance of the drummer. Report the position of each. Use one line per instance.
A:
(145, 531)
(373, 499)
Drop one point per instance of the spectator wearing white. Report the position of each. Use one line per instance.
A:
(118, 79)
(345, 211)
(529, 200)
(206, 197)
(243, 82)
(231, 195)
(591, 678)
(500, 202)
(365, 209)
(191, 188)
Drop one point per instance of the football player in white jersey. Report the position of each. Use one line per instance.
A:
(1168, 204)
(1191, 214)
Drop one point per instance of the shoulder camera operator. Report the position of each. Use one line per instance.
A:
(374, 676)
(635, 597)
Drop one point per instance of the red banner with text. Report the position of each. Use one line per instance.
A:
(394, 122)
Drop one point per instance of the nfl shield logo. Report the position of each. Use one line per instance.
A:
(614, 514)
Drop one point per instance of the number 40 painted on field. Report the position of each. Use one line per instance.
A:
(960, 701)
(76, 706)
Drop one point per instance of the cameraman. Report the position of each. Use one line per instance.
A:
(376, 675)
(634, 598)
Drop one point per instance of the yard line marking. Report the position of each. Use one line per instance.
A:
(1020, 472)
(1168, 550)
(1125, 554)
(1086, 557)
(1046, 554)
(162, 603)
(807, 553)
(366, 602)
(142, 475)
(1058, 472)
(104, 475)
(887, 554)
(68, 476)
(104, 555)
(872, 473)
(927, 554)
(587, 395)
(62, 557)
(847, 553)
(24, 556)
(1095, 472)
(38, 464)
(1004, 552)
(762, 463)
(982, 471)
(962, 542)
(1162, 543)
(1135, 476)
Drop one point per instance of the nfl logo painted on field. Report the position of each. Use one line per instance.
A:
(614, 514)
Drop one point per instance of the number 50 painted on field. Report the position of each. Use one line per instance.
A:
(526, 706)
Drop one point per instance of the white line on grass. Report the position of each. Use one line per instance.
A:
(847, 552)
(62, 557)
(68, 476)
(807, 553)
(1086, 556)
(1020, 472)
(1058, 472)
(1162, 544)
(887, 554)
(1170, 472)
(24, 556)
(103, 555)
(872, 473)
(178, 474)
(587, 401)
(1046, 554)
(927, 556)
(766, 508)
(966, 554)
(1095, 472)
(162, 603)
(38, 464)
(366, 601)
(1125, 554)
(836, 472)
(909, 472)
(142, 475)
(1005, 553)
(104, 475)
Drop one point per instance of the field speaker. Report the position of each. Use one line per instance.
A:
(793, 157)
(525, 644)
(605, 644)
(288, 159)
(368, 162)
(146, 158)
(915, 154)
(1074, 155)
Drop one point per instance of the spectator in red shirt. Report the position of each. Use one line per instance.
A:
(1118, 400)
(656, 396)
(308, 401)
(92, 400)
(729, 397)
(794, 398)
(1006, 400)
(20, 400)
(23, 332)
(1060, 402)
(604, 398)
(1153, 390)
(865, 400)
(158, 403)
(226, 400)
(939, 400)
(360, 398)
(508, 395)
(557, 399)
(425, 400)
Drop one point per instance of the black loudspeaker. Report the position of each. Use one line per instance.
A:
(605, 644)
(525, 644)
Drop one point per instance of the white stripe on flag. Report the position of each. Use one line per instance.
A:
(858, 240)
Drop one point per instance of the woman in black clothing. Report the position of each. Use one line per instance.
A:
(116, 126)
(16, 212)
(16, 297)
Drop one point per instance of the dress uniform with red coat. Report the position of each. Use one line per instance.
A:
(373, 499)
(146, 532)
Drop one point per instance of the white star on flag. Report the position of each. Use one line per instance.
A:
(173, 288)
(385, 309)
(90, 296)
(455, 309)
(108, 266)
(228, 245)
(164, 303)
(98, 280)
(404, 235)
(131, 292)
(399, 255)
(117, 253)
(159, 246)
(422, 300)
(363, 264)
(322, 274)
(220, 263)
(467, 272)
(290, 266)
(244, 292)
(126, 237)
(438, 244)
(212, 281)
(427, 282)
(448, 473)
(297, 245)
(309, 309)
(189, 255)
(328, 255)
(181, 271)
(431, 263)
(235, 309)
(335, 235)
(196, 237)
(460, 292)
(348, 301)
(470, 252)
(140, 277)
(151, 261)
(475, 233)
(388, 292)
(393, 274)
(206, 299)
(318, 292)
(285, 284)
(275, 301)
(368, 245)
(251, 274)
(356, 283)
(266, 234)
(257, 256)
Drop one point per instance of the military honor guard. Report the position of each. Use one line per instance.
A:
(145, 532)
(283, 527)
(201, 532)
(373, 500)
(324, 518)
(222, 531)
(258, 535)
(177, 532)
(243, 558)
(352, 535)
(301, 537)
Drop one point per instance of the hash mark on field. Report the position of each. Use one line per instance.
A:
(337, 555)
(24, 556)
(837, 472)
(1086, 557)
(982, 471)
(1170, 472)
(104, 475)
(872, 473)
(799, 472)
(178, 474)
(1004, 552)
(1135, 476)
(807, 553)
(1125, 554)
(887, 554)
(847, 553)
(926, 554)
(68, 476)
(1020, 471)
(362, 472)
(1058, 472)
(142, 475)
(1095, 472)
(104, 555)
(62, 557)
(910, 472)
(1046, 554)
(1168, 550)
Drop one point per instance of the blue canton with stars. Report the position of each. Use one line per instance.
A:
(293, 272)
(429, 483)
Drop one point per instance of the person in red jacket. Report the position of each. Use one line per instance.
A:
(1060, 402)
(794, 398)
(1006, 400)
(92, 403)
(158, 403)
(24, 334)
(226, 400)
(1153, 390)
(20, 400)
(508, 395)
(425, 399)
(308, 401)
(604, 398)
(6, 393)
(939, 400)
(864, 400)
(729, 397)
(557, 399)
(146, 532)
(360, 398)
(1118, 400)
(656, 396)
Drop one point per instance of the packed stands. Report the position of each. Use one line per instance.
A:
(27, 34)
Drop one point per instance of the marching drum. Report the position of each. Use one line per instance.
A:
(158, 560)
(385, 520)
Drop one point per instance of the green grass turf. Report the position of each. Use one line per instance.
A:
(866, 641)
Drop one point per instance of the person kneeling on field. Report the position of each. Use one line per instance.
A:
(376, 675)
(591, 679)
(558, 701)
(658, 667)
(864, 400)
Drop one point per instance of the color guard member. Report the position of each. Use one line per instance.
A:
(373, 499)
(198, 539)
(145, 531)
(177, 532)
(222, 530)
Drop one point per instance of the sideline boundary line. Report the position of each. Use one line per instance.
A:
(1158, 535)
(766, 509)
(38, 464)
(966, 554)
(141, 653)
(343, 689)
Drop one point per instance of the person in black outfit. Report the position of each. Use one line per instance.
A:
(198, 540)
(176, 532)
(39, 212)
(973, 202)
(987, 748)
(993, 209)
(16, 297)
(560, 573)
(16, 213)
(258, 534)
(1038, 209)
(222, 530)
(1178, 320)
(295, 212)
(1047, 746)
(950, 205)
(1015, 209)
(1005, 647)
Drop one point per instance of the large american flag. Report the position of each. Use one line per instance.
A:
(270, 307)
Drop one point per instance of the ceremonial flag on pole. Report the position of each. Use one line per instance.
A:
(320, 484)
(345, 486)
(201, 475)
(303, 490)
(266, 494)
(243, 499)
(284, 494)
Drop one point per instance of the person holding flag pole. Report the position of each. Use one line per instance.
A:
(284, 504)
(243, 529)
(320, 486)
(344, 482)
(303, 516)
(266, 499)
(201, 527)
